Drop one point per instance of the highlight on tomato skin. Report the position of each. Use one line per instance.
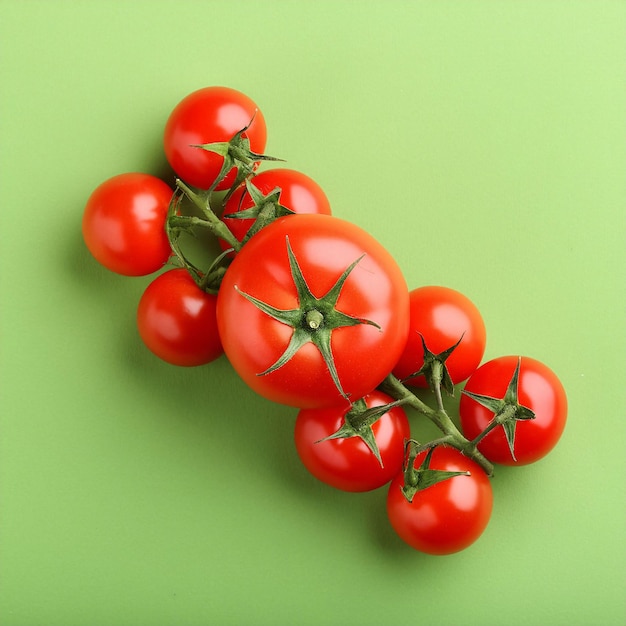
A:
(123, 224)
(447, 517)
(347, 463)
(539, 389)
(177, 320)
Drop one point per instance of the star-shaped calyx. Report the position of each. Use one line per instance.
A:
(507, 410)
(358, 422)
(313, 321)
(434, 368)
(266, 209)
(236, 153)
(419, 478)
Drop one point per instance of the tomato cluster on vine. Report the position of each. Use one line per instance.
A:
(314, 313)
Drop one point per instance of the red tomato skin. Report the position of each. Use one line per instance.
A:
(123, 224)
(177, 320)
(299, 192)
(210, 115)
(324, 247)
(442, 315)
(348, 464)
(447, 517)
(539, 389)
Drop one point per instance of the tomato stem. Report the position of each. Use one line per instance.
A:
(452, 435)
(211, 221)
(436, 377)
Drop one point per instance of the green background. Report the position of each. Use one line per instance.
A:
(481, 142)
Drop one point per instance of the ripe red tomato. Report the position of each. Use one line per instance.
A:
(177, 320)
(442, 316)
(210, 115)
(539, 389)
(446, 517)
(124, 224)
(348, 463)
(298, 192)
(345, 342)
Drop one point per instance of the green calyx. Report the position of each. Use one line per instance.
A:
(507, 410)
(423, 477)
(434, 368)
(358, 422)
(265, 210)
(178, 222)
(236, 153)
(313, 321)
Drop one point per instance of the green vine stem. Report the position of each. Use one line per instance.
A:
(210, 221)
(452, 436)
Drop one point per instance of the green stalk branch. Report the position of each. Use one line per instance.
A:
(210, 221)
(452, 436)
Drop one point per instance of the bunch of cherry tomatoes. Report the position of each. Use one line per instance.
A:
(314, 313)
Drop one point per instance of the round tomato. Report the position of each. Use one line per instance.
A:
(442, 316)
(313, 311)
(177, 320)
(538, 389)
(124, 224)
(297, 192)
(210, 115)
(448, 516)
(348, 463)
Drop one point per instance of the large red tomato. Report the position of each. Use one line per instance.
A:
(210, 115)
(313, 311)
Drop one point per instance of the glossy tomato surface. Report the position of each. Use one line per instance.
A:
(210, 115)
(123, 224)
(539, 389)
(298, 193)
(177, 320)
(324, 247)
(448, 516)
(442, 316)
(347, 463)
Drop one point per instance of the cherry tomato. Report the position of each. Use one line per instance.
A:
(210, 115)
(348, 463)
(448, 516)
(442, 316)
(538, 389)
(177, 320)
(348, 319)
(124, 224)
(298, 192)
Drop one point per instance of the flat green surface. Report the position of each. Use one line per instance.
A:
(481, 142)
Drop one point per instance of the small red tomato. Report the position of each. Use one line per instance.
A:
(442, 316)
(210, 115)
(177, 320)
(124, 224)
(348, 463)
(297, 192)
(448, 516)
(538, 389)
